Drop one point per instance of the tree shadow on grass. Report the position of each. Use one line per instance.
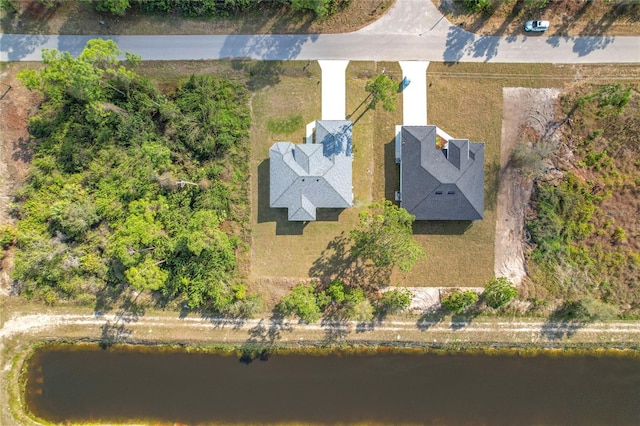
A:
(22, 150)
(118, 331)
(460, 321)
(336, 262)
(391, 170)
(335, 328)
(107, 297)
(260, 74)
(431, 318)
(366, 326)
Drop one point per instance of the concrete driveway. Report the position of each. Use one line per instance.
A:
(333, 89)
(414, 96)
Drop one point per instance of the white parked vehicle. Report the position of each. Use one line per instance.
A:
(536, 26)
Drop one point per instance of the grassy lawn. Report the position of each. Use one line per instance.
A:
(459, 254)
(288, 249)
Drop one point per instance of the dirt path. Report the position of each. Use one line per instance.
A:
(523, 108)
(275, 331)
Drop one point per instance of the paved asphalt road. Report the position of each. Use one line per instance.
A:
(411, 30)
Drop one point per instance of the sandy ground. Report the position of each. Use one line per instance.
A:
(523, 108)
(269, 331)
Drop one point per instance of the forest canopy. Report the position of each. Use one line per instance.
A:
(126, 189)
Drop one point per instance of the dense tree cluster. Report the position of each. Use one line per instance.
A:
(211, 8)
(126, 184)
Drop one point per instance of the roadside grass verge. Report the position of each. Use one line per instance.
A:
(78, 17)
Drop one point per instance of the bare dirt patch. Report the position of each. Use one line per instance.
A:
(527, 113)
(567, 18)
(15, 152)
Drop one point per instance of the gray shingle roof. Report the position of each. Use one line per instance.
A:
(305, 177)
(445, 184)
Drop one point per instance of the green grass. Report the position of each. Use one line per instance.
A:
(458, 254)
(285, 125)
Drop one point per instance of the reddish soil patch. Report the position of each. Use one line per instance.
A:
(15, 151)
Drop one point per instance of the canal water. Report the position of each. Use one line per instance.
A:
(80, 384)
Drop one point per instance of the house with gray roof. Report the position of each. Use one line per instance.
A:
(305, 177)
(444, 182)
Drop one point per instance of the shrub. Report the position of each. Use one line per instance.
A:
(393, 301)
(589, 309)
(7, 236)
(458, 301)
(498, 292)
(362, 311)
(336, 291)
(532, 159)
(610, 99)
(619, 235)
(483, 6)
(302, 302)
(246, 307)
